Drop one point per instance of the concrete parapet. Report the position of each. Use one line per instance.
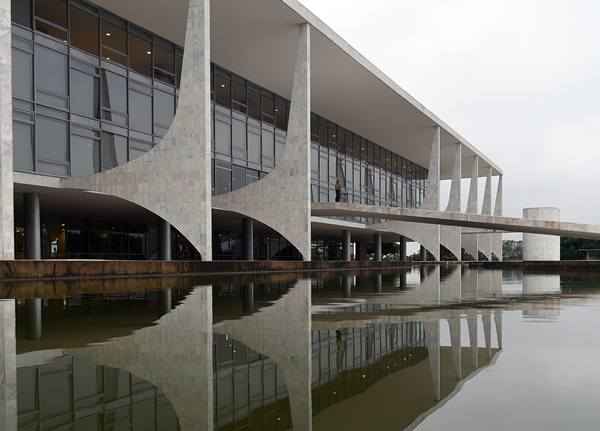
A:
(541, 247)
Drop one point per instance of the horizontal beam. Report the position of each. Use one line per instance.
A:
(507, 224)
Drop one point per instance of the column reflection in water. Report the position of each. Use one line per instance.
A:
(176, 356)
(8, 366)
(34, 318)
(282, 332)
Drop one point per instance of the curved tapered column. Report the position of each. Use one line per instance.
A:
(7, 225)
(289, 346)
(8, 366)
(474, 338)
(451, 236)
(175, 355)
(425, 234)
(499, 331)
(486, 318)
(470, 240)
(486, 239)
(181, 194)
(497, 248)
(282, 199)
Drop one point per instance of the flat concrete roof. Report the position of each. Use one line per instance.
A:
(257, 40)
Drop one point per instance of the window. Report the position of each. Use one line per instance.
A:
(164, 110)
(22, 74)
(140, 54)
(222, 89)
(239, 96)
(85, 152)
(253, 145)
(114, 40)
(164, 61)
(268, 147)
(281, 113)
(253, 103)
(178, 65)
(21, 12)
(114, 150)
(238, 135)
(84, 93)
(114, 97)
(52, 145)
(140, 108)
(222, 177)
(85, 30)
(267, 108)
(51, 77)
(238, 178)
(51, 18)
(222, 131)
(138, 148)
(23, 145)
(251, 176)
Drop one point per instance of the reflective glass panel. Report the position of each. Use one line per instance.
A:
(51, 77)
(84, 30)
(22, 74)
(84, 94)
(23, 146)
(52, 139)
(114, 150)
(21, 12)
(85, 155)
(114, 41)
(52, 16)
(140, 112)
(140, 55)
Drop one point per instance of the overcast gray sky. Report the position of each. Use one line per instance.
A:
(520, 79)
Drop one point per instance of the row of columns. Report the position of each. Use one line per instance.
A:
(362, 252)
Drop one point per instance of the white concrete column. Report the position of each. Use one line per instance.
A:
(287, 187)
(7, 225)
(34, 318)
(347, 246)
(472, 322)
(498, 320)
(182, 193)
(470, 241)
(541, 247)
(486, 318)
(378, 247)
(8, 366)
(166, 300)
(486, 239)
(33, 236)
(432, 186)
(454, 204)
(498, 241)
(248, 239)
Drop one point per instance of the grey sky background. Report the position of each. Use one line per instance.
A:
(520, 79)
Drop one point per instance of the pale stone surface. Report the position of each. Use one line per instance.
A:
(470, 241)
(455, 327)
(451, 236)
(541, 247)
(176, 356)
(486, 240)
(8, 367)
(432, 186)
(173, 180)
(289, 346)
(282, 199)
(7, 240)
(498, 212)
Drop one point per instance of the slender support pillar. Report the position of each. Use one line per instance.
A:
(347, 280)
(165, 241)
(498, 321)
(474, 338)
(432, 186)
(33, 237)
(486, 318)
(248, 239)
(403, 256)
(7, 225)
(486, 241)
(363, 252)
(379, 282)
(347, 246)
(470, 241)
(378, 247)
(499, 212)
(8, 366)
(34, 318)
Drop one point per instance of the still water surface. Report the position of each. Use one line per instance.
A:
(428, 349)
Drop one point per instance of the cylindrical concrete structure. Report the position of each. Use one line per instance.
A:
(165, 241)
(541, 247)
(249, 239)
(33, 237)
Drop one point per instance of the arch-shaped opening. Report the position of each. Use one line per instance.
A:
(87, 225)
(230, 239)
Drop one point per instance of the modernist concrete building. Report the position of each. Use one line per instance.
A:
(146, 129)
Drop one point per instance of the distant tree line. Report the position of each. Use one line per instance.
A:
(571, 248)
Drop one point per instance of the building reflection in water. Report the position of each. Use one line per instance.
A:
(363, 364)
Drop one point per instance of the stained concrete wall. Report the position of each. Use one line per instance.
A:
(282, 200)
(173, 180)
(541, 247)
(7, 240)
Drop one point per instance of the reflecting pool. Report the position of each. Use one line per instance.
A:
(437, 347)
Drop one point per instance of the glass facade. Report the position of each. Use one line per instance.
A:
(92, 91)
